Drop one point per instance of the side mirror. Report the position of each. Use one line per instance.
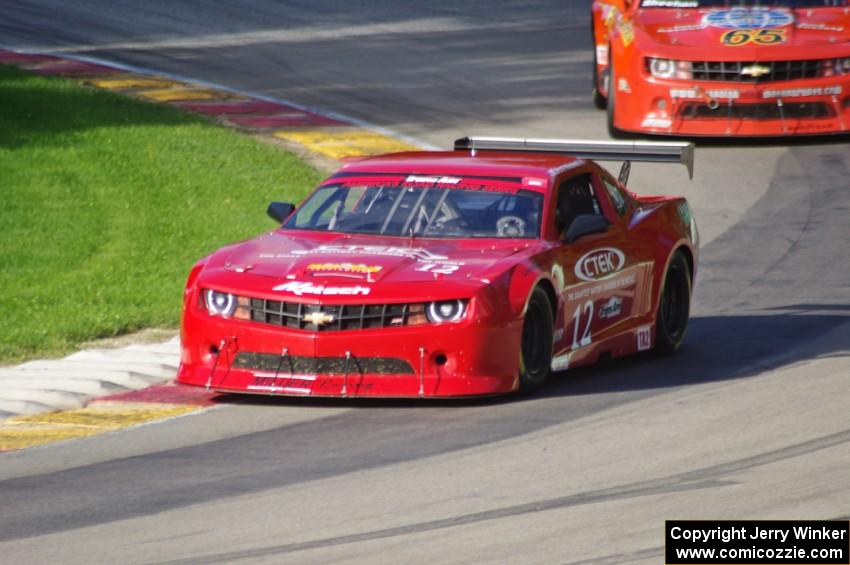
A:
(586, 224)
(280, 211)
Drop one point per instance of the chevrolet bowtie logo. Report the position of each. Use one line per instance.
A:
(755, 71)
(318, 318)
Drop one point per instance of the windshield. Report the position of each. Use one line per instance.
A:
(742, 3)
(420, 211)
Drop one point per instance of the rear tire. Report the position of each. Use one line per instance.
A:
(535, 357)
(674, 307)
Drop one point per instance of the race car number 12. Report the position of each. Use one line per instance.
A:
(758, 36)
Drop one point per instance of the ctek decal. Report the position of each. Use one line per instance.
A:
(357, 268)
(612, 308)
(599, 263)
(302, 288)
(748, 18)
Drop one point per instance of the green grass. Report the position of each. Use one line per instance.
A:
(105, 204)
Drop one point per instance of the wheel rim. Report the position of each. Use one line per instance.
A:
(533, 352)
(674, 302)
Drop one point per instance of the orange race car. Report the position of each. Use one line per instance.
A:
(721, 68)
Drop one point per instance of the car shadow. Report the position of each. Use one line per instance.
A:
(717, 348)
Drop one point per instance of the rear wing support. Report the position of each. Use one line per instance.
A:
(625, 151)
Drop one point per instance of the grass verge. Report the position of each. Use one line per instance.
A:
(105, 204)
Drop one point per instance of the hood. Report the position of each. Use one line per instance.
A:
(288, 263)
(708, 28)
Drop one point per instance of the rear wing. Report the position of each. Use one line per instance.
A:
(626, 151)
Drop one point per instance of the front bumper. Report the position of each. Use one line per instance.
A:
(468, 358)
(716, 108)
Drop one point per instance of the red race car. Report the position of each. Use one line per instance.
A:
(723, 68)
(436, 274)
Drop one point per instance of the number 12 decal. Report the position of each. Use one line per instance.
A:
(582, 311)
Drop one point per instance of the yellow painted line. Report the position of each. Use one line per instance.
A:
(346, 143)
(129, 82)
(39, 429)
(184, 94)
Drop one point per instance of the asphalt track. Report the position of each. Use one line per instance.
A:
(749, 421)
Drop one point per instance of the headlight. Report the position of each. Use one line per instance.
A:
(445, 311)
(219, 303)
(667, 68)
(842, 66)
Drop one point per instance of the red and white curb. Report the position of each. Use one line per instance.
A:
(99, 390)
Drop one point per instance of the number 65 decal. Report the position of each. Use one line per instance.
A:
(757, 36)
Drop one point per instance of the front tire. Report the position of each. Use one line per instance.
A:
(535, 358)
(674, 307)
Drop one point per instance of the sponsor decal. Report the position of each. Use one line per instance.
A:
(748, 18)
(561, 362)
(302, 288)
(432, 180)
(698, 93)
(644, 338)
(669, 4)
(676, 29)
(601, 54)
(356, 268)
(656, 123)
(607, 286)
(627, 32)
(611, 308)
(738, 37)
(802, 92)
(380, 250)
(599, 263)
(609, 15)
(276, 382)
(558, 335)
(623, 85)
(438, 268)
(819, 27)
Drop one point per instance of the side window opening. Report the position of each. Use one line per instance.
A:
(575, 198)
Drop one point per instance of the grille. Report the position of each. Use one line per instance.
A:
(765, 111)
(777, 70)
(345, 317)
(321, 365)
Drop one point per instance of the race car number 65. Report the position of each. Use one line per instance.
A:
(757, 36)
